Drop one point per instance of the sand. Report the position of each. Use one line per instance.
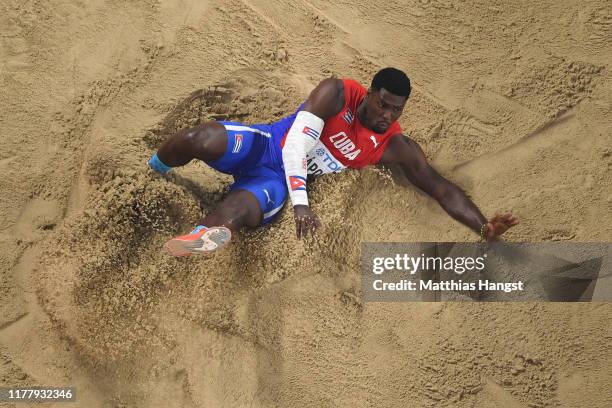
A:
(511, 101)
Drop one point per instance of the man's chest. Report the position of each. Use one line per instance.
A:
(344, 143)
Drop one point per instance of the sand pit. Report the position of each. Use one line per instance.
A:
(511, 101)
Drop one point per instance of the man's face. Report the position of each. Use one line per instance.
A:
(383, 108)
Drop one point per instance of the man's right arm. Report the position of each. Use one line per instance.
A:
(325, 101)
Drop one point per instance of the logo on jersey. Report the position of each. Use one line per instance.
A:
(237, 143)
(344, 145)
(348, 116)
(310, 132)
(297, 183)
(373, 139)
(328, 165)
(321, 161)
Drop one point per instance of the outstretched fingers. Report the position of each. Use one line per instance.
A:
(306, 225)
(509, 219)
(506, 219)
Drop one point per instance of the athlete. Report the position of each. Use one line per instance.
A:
(341, 125)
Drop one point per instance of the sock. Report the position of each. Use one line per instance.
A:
(156, 164)
(198, 229)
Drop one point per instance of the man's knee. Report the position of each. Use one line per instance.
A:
(208, 141)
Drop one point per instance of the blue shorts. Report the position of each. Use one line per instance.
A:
(253, 157)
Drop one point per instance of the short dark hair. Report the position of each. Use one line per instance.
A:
(393, 80)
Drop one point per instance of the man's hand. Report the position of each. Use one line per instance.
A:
(499, 224)
(305, 220)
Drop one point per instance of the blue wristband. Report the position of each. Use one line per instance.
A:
(158, 165)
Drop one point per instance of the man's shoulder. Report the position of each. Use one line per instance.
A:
(351, 93)
(333, 89)
(338, 83)
(353, 88)
(352, 83)
(398, 141)
(346, 87)
(396, 147)
(343, 86)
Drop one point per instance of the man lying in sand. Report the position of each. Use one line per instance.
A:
(341, 125)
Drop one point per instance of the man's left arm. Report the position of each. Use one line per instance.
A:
(406, 153)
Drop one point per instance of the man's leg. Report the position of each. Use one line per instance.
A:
(255, 199)
(239, 209)
(207, 142)
(224, 146)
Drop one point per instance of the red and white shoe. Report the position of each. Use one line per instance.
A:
(199, 241)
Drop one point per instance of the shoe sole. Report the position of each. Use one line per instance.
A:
(212, 240)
